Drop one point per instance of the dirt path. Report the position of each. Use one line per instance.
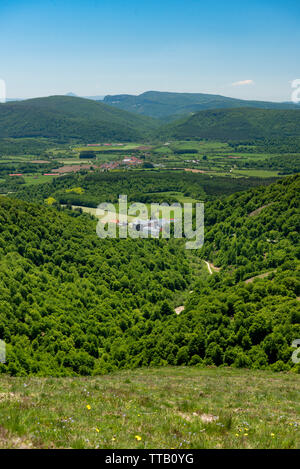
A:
(179, 309)
(258, 210)
(208, 266)
(250, 280)
(211, 268)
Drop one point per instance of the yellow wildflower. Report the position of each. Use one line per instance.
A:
(97, 430)
(273, 434)
(138, 437)
(245, 434)
(88, 407)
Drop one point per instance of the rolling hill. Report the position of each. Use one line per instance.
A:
(170, 106)
(64, 118)
(69, 118)
(238, 124)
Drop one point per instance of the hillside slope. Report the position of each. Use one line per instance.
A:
(169, 106)
(238, 124)
(169, 407)
(67, 117)
(73, 304)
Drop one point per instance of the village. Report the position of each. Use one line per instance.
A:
(65, 169)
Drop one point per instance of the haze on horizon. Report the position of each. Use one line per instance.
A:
(242, 50)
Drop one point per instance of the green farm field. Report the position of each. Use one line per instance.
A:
(259, 173)
(37, 179)
(102, 148)
(214, 158)
(217, 158)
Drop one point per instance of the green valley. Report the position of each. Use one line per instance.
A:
(130, 318)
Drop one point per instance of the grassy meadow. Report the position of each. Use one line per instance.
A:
(257, 173)
(172, 407)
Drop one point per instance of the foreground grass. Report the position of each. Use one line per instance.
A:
(183, 407)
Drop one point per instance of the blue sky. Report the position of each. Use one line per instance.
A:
(246, 49)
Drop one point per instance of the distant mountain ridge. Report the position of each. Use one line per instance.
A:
(68, 118)
(171, 106)
(95, 98)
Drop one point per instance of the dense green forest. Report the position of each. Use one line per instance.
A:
(169, 106)
(25, 146)
(65, 292)
(26, 167)
(72, 303)
(285, 164)
(278, 145)
(254, 230)
(140, 186)
(66, 118)
(238, 125)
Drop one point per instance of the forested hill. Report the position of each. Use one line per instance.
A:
(238, 124)
(74, 304)
(66, 294)
(66, 118)
(255, 230)
(169, 106)
(70, 119)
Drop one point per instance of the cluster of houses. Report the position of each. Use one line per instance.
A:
(109, 166)
(128, 161)
(74, 168)
(151, 226)
(132, 161)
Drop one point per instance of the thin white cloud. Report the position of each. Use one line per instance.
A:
(243, 83)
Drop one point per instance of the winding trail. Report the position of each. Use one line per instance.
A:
(208, 266)
(265, 274)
